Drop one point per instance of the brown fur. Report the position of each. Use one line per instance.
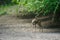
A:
(36, 21)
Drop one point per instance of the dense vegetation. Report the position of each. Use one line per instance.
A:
(36, 7)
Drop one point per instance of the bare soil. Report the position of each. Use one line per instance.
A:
(13, 23)
(13, 28)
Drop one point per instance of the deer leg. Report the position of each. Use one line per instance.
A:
(41, 26)
(35, 25)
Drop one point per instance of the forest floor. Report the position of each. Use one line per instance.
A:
(13, 28)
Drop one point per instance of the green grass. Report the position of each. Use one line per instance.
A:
(14, 10)
(4, 8)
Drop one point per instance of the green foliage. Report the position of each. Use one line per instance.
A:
(15, 1)
(39, 6)
(3, 2)
(44, 7)
(3, 13)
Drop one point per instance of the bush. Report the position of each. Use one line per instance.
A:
(39, 7)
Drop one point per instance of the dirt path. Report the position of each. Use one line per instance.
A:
(12, 28)
(16, 24)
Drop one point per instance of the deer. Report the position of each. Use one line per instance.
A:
(36, 21)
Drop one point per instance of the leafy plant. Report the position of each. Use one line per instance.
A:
(39, 6)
